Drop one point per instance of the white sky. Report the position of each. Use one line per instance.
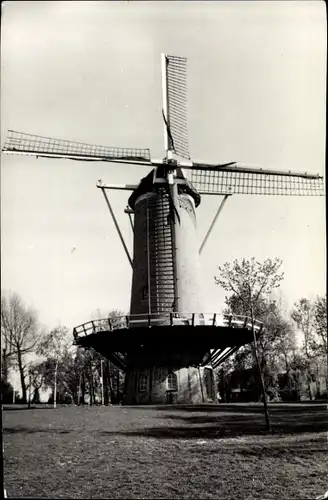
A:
(90, 71)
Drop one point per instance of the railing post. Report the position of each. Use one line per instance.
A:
(110, 324)
(171, 319)
(148, 320)
(193, 319)
(246, 321)
(127, 319)
(230, 320)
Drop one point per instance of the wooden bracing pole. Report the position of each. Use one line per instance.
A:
(219, 210)
(117, 226)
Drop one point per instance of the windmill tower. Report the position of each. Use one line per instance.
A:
(167, 345)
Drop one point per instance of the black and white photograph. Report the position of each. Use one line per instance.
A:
(163, 249)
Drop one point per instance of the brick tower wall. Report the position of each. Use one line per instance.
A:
(187, 259)
(153, 249)
(152, 219)
(194, 386)
(155, 240)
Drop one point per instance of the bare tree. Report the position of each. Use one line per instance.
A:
(20, 334)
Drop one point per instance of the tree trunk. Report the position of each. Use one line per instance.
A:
(267, 419)
(29, 390)
(118, 386)
(55, 384)
(4, 365)
(83, 389)
(91, 390)
(79, 394)
(110, 383)
(224, 387)
(22, 377)
(106, 377)
(102, 381)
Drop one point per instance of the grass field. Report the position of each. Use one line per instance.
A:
(218, 451)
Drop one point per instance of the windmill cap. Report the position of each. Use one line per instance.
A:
(149, 185)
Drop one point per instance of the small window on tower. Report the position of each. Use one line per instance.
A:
(143, 383)
(172, 382)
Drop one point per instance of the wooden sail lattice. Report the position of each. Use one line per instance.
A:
(240, 181)
(176, 68)
(20, 142)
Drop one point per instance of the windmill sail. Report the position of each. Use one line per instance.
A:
(28, 144)
(175, 104)
(243, 180)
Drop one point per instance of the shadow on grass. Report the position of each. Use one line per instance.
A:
(25, 407)
(246, 408)
(196, 422)
(287, 419)
(186, 432)
(301, 448)
(28, 430)
(225, 424)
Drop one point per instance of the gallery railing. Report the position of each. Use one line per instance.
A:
(165, 319)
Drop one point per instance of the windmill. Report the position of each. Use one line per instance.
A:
(167, 345)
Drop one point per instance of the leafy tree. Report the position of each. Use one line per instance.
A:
(67, 378)
(75, 371)
(251, 282)
(303, 315)
(311, 319)
(53, 346)
(20, 334)
(36, 379)
(113, 377)
(319, 342)
(72, 366)
(275, 347)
